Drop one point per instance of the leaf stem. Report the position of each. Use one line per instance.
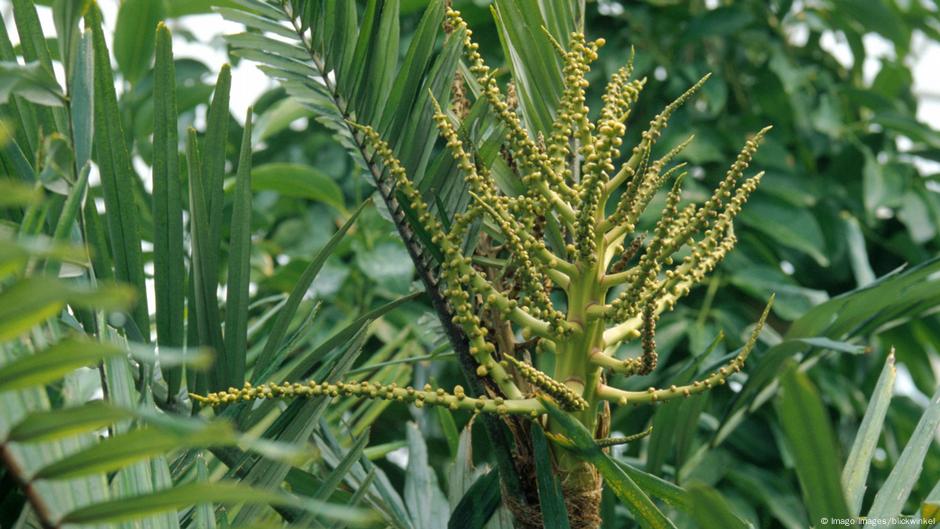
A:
(36, 501)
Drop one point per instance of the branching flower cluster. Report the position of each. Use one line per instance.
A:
(579, 300)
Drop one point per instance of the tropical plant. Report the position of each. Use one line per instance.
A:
(567, 180)
(54, 455)
(549, 196)
(544, 270)
(89, 447)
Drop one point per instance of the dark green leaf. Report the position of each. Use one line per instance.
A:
(169, 273)
(134, 36)
(812, 443)
(900, 292)
(82, 98)
(299, 181)
(34, 300)
(117, 176)
(55, 424)
(449, 426)
(239, 264)
(205, 276)
(551, 497)
(212, 156)
(855, 472)
(116, 452)
(478, 504)
(710, 510)
(54, 363)
(34, 49)
(178, 498)
(891, 497)
(665, 490)
(31, 82)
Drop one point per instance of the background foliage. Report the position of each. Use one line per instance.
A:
(850, 196)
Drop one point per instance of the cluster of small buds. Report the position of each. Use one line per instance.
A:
(718, 240)
(566, 397)
(628, 254)
(457, 400)
(641, 191)
(675, 229)
(572, 121)
(621, 94)
(478, 183)
(716, 378)
(597, 154)
(539, 303)
(522, 146)
(662, 119)
(512, 98)
(456, 270)
(736, 171)
(402, 182)
(645, 281)
(614, 441)
(556, 237)
(710, 208)
(528, 252)
(650, 357)
(642, 149)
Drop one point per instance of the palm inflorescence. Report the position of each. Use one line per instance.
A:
(612, 291)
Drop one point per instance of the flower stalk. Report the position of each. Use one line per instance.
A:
(579, 302)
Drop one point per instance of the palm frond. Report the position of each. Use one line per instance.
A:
(51, 442)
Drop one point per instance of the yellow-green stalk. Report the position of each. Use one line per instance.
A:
(571, 178)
